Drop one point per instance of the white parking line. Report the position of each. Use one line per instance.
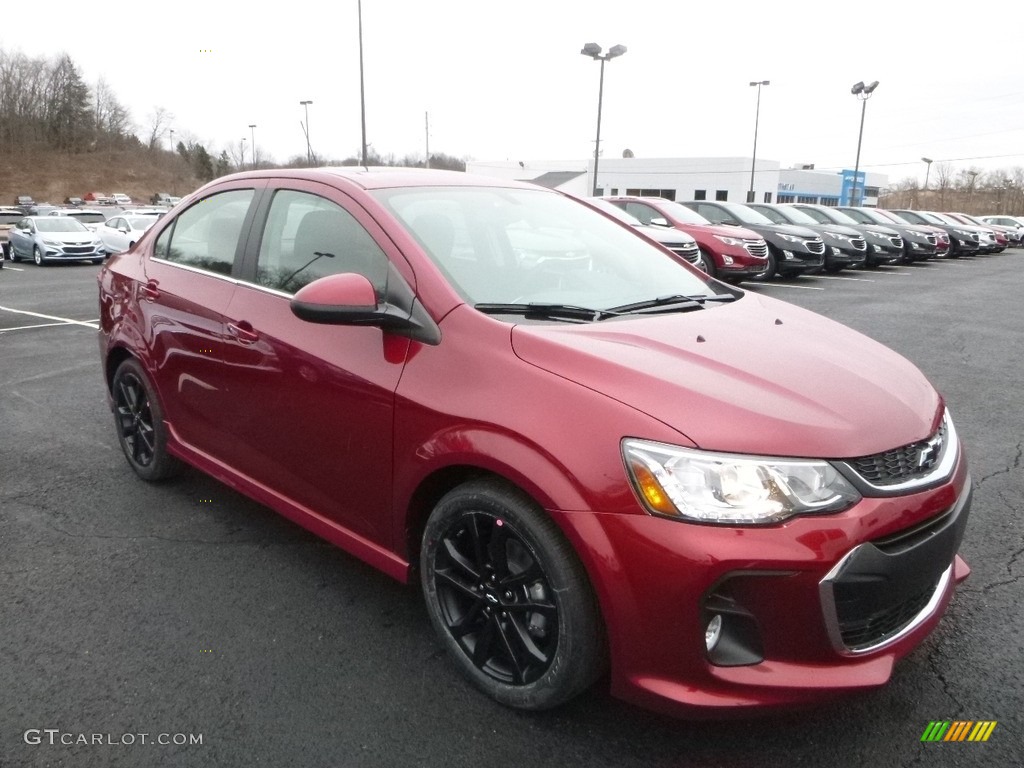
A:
(94, 324)
(16, 269)
(784, 285)
(891, 273)
(838, 277)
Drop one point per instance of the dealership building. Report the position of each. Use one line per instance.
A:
(693, 178)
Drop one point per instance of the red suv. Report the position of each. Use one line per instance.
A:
(733, 253)
(585, 450)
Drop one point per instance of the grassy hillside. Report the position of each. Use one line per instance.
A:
(49, 176)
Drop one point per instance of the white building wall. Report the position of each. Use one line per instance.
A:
(684, 178)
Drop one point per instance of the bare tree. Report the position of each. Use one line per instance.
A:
(159, 122)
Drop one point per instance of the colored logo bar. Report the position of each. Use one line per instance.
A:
(959, 730)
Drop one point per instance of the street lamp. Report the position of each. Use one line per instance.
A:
(593, 50)
(757, 117)
(927, 170)
(362, 89)
(252, 131)
(172, 139)
(241, 154)
(305, 130)
(862, 92)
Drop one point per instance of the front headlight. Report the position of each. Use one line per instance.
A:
(47, 241)
(791, 238)
(707, 487)
(729, 240)
(837, 236)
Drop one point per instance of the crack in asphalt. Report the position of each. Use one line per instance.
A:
(1005, 470)
(937, 670)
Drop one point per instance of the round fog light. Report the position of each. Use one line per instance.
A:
(713, 632)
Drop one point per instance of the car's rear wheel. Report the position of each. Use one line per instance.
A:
(140, 424)
(37, 256)
(509, 598)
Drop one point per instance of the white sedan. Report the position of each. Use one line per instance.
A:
(119, 233)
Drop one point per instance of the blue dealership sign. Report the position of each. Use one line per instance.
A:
(845, 194)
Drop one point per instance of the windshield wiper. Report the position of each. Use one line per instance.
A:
(676, 302)
(569, 312)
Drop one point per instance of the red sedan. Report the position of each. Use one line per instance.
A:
(585, 451)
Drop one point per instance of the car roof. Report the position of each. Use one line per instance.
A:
(374, 177)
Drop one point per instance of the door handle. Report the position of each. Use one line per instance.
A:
(151, 290)
(243, 332)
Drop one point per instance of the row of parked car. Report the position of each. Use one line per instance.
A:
(756, 241)
(28, 206)
(74, 234)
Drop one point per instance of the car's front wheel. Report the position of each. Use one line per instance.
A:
(509, 598)
(37, 256)
(140, 424)
(769, 271)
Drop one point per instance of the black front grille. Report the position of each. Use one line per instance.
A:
(932, 239)
(859, 244)
(816, 247)
(863, 631)
(897, 241)
(77, 249)
(902, 464)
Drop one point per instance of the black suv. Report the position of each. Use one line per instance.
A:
(791, 250)
(844, 246)
(963, 240)
(919, 243)
(885, 245)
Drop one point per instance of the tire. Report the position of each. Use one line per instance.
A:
(12, 255)
(140, 426)
(97, 261)
(509, 598)
(769, 272)
(37, 256)
(705, 263)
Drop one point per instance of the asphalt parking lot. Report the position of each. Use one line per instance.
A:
(184, 610)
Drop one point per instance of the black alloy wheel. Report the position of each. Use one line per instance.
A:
(509, 598)
(140, 424)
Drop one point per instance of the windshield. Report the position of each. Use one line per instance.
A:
(141, 222)
(614, 211)
(683, 214)
(523, 246)
(746, 215)
(942, 219)
(866, 216)
(794, 216)
(60, 224)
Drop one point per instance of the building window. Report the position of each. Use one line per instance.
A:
(767, 197)
(668, 194)
(830, 201)
(786, 199)
(599, 192)
(615, 191)
(700, 194)
(721, 195)
(809, 199)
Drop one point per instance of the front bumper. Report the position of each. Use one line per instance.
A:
(74, 253)
(825, 622)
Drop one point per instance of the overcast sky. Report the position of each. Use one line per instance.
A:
(506, 81)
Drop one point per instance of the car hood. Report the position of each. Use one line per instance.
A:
(839, 229)
(666, 235)
(69, 237)
(754, 376)
(786, 229)
(722, 231)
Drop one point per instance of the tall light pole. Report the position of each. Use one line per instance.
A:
(252, 131)
(862, 92)
(172, 139)
(593, 50)
(305, 130)
(362, 91)
(753, 157)
(927, 170)
(241, 154)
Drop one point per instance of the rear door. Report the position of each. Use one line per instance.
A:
(189, 280)
(312, 406)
